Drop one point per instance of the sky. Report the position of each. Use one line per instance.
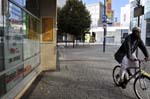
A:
(61, 3)
(116, 5)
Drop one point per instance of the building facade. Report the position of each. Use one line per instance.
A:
(26, 47)
(96, 12)
(113, 37)
(134, 20)
(147, 19)
(125, 16)
(125, 21)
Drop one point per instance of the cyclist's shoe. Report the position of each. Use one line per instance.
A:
(130, 74)
(125, 80)
(122, 84)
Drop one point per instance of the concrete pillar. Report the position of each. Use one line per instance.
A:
(49, 35)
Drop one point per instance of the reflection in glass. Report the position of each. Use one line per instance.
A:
(21, 45)
(20, 2)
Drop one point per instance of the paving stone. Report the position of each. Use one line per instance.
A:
(85, 73)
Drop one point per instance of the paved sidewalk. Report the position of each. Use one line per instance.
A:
(85, 73)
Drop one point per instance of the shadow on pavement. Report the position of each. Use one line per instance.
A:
(32, 87)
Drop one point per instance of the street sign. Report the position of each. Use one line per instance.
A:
(104, 18)
(138, 11)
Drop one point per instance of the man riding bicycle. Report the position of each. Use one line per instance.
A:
(126, 54)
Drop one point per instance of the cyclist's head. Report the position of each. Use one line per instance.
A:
(136, 31)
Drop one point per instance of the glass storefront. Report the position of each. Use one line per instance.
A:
(147, 33)
(147, 18)
(19, 44)
(2, 79)
(147, 10)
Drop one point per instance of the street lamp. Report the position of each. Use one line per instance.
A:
(104, 26)
(138, 4)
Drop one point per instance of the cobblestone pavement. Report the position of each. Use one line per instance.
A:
(85, 73)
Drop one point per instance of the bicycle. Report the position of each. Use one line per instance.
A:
(141, 84)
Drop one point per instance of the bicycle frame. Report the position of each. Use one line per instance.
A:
(136, 73)
(145, 73)
(140, 71)
(141, 77)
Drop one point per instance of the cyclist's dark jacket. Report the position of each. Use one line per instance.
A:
(128, 47)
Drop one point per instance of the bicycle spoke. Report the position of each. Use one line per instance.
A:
(142, 87)
(142, 83)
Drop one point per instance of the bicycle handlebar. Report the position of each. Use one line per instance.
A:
(140, 61)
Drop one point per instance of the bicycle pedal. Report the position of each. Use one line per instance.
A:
(122, 85)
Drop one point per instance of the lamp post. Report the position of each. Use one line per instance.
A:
(104, 26)
(138, 4)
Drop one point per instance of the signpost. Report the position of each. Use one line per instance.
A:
(104, 26)
(138, 11)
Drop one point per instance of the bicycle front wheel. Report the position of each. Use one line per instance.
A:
(116, 74)
(142, 87)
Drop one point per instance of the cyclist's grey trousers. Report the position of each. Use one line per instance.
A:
(127, 63)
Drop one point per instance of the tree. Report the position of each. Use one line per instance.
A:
(73, 18)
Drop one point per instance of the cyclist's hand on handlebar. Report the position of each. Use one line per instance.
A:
(133, 59)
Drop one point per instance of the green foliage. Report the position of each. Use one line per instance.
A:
(73, 18)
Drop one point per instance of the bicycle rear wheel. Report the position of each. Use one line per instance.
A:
(142, 87)
(116, 75)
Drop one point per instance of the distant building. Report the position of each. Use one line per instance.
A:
(133, 20)
(114, 35)
(144, 20)
(127, 19)
(125, 16)
(116, 24)
(115, 19)
(96, 12)
(147, 19)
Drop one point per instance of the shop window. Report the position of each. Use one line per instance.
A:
(148, 33)
(20, 2)
(20, 49)
(2, 85)
(2, 79)
(31, 5)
